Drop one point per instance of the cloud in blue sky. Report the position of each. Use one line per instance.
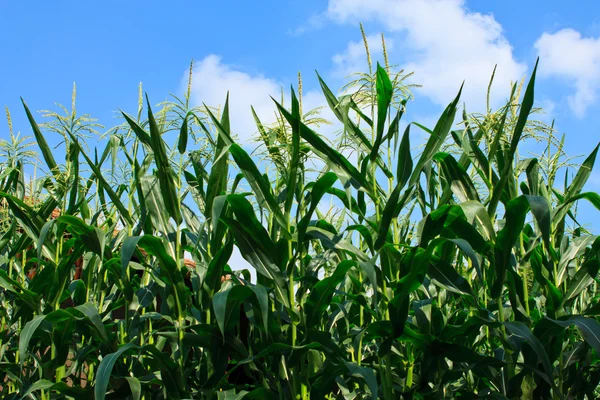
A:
(354, 58)
(213, 78)
(568, 55)
(442, 41)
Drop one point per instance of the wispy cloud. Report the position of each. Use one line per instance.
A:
(576, 59)
(442, 41)
(315, 22)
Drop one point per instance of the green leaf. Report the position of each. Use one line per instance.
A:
(42, 239)
(366, 374)
(583, 174)
(74, 178)
(93, 238)
(231, 395)
(42, 384)
(468, 250)
(26, 334)
(340, 109)
(391, 209)
(526, 107)
(438, 136)
(576, 248)
(105, 369)
(217, 180)
(272, 348)
(516, 210)
(114, 197)
(255, 245)
(135, 386)
(260, 186)
(227, 303)
(477, 214)
(292, 181)
(29, 297)
(164, 170)
(337, 161)
(139, 131)
(457, 178)
(583, 278)
(266, 137)
(319, 189)
(333, 241)
(446, 276)
(183, 135)
(364, 232)
(405, 161)
(212, 281)
(388, 215)
(39, 137)
(154, 205)
(169, 272)
(521, 330)
(26, 217)
(258, 257)
(589, 327)
(91, 312)
(320, 294)
(592, 197)
(541, 211)
(385, 92)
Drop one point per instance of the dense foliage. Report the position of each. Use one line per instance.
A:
(461, 272)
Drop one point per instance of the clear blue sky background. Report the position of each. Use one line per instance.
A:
(108, 47)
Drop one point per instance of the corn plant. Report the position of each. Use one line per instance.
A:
(444, 274)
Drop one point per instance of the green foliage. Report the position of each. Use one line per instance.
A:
(462, 279)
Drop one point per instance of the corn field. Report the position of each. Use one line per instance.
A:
(383, 269)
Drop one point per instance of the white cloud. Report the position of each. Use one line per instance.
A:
(567, 55)
(446, 43)
(212, 79)
(314, 22)
(354, 58)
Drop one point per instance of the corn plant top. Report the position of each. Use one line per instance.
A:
(457, 269)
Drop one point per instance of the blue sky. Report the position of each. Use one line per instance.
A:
(253, 48)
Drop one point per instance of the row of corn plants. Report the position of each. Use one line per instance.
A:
(457, 269)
